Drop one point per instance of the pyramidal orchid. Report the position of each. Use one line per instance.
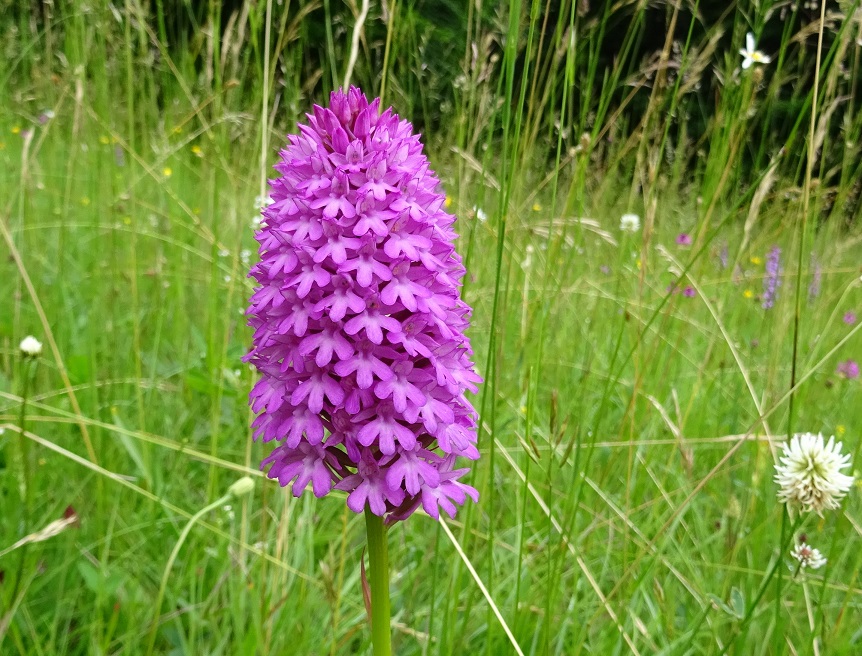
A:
(359, 328)
(358, 324)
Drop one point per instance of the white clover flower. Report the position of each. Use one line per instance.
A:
(480, 213)
(808, 556)
(30, 346)
(809, 473)
(630, 223)
(750, 55)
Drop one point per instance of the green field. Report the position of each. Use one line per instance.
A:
(637, 390)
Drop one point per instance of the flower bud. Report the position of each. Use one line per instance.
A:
(30, 347)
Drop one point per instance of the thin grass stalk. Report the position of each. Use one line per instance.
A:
(390, 30)
(151, 640)
(354, 43)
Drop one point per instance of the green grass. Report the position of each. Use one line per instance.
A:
(627, 502)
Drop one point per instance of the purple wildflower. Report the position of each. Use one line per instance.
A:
(849, 369)
(724, 256)
(359, 327)
(688, 292)
(816, 278)
(683, 239)
(771, 282)
(850, 318)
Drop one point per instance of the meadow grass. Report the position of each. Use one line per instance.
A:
(636, 389)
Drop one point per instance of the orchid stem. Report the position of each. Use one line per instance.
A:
(378, 580)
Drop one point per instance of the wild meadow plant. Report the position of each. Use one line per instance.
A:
(637, 396)
(359, 328)
(810, 479)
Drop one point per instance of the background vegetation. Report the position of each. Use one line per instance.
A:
(636, 387)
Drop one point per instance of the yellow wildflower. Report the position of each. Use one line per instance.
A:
(196, 150)
(167, 171)
(16, 130)
(756, 260)
(447, 203)
(104, 140)
(840, 430)
(748, 293)
(537, 207)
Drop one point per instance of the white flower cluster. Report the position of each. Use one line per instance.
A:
(30, 346)
(810, 478)
(630, 223)
(808, 556)
(809, 474)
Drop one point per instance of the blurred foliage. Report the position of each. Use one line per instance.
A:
(663, 72)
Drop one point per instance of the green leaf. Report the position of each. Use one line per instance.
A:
(737, 600)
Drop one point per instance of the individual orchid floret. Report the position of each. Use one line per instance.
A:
(359, 328)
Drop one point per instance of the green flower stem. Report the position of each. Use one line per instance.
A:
(158, 605)
(25, 445)
(378, 580)
(25, 488)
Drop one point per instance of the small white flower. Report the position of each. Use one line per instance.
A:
(30, 346)
(750, 55)
(809, 473)
(223, 252)
(630, 223)
(480, 213)
(808, 556)
(245, 255)
(260, 201)
(528, 257)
